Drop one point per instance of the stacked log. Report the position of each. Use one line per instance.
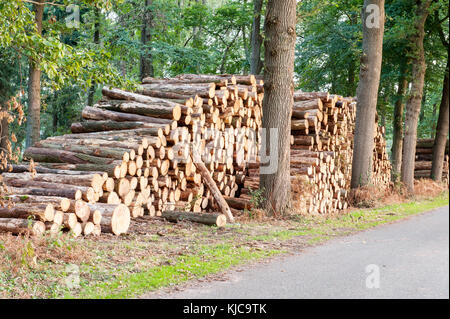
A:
(424, 160)
(50, 201)
(321, 152)
(187, 144)
(134, 149)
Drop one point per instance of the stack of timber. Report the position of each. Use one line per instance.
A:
(178, 147)
(140, 146)
(322, 130)
(424, 160)
(52, 199)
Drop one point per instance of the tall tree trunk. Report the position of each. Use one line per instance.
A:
(4, 131)
(397, 139)
(146, 39)
(367, 92)
(34, 86)
(441, 130)
(415, 99)
(278, 99)
(255, 60)
(96, 41)
(433, 127)
(351, 78)
(424, 100)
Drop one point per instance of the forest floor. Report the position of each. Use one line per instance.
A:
(158, 254)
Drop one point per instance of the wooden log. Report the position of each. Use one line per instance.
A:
(143, 105)
(299, 125)
(93, 180)
(59, 156)
(45, 212)
(85, 168)
(99, 114)
(239, 203)
(67, 193)
(118, 223)
(88, 193)
(205, 90)
(21, 226)
(93, 150)
(215, 192)
(305, 96)
(98, 126)
(210, 219)
(23, 168)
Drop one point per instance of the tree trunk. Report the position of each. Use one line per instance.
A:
(4, 132)
(441, 130)
(367, 93)
(397, 139)
(278, 99)
(146, 39)
(34, 86)
(255, 60)
(96, 41)
(415, 99)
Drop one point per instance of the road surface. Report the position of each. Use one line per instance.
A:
(407, 259)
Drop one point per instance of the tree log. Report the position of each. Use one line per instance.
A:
(218, 220)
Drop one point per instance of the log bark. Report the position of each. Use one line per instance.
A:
(145, 105)
(212, 186)
(44, 212)
(98, 114)
(21, 226)
(98, 126)
(210, 219)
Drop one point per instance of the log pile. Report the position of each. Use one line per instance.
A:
(424, 157)
(178, 147)
(134, 150)
(321, 152)
(57, 199)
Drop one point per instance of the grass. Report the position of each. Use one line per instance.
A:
(160, 254)
(207, 260)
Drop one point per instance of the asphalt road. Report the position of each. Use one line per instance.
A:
(407, 259)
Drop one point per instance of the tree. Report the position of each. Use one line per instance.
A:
(443, 121)
(397, 138)
(34, 85)
(146, 39)
(414, 101)
(96, 40)
(367, 91)
(255, 60)
(280, 37)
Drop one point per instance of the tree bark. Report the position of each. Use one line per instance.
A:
(415, 99)
(146, 39)
(367, 93)
(278, 99)
(255, 60)
(397, 139)
(441, 130)
(34, 86)
(96, 41)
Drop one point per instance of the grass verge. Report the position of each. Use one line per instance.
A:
(159, 254)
